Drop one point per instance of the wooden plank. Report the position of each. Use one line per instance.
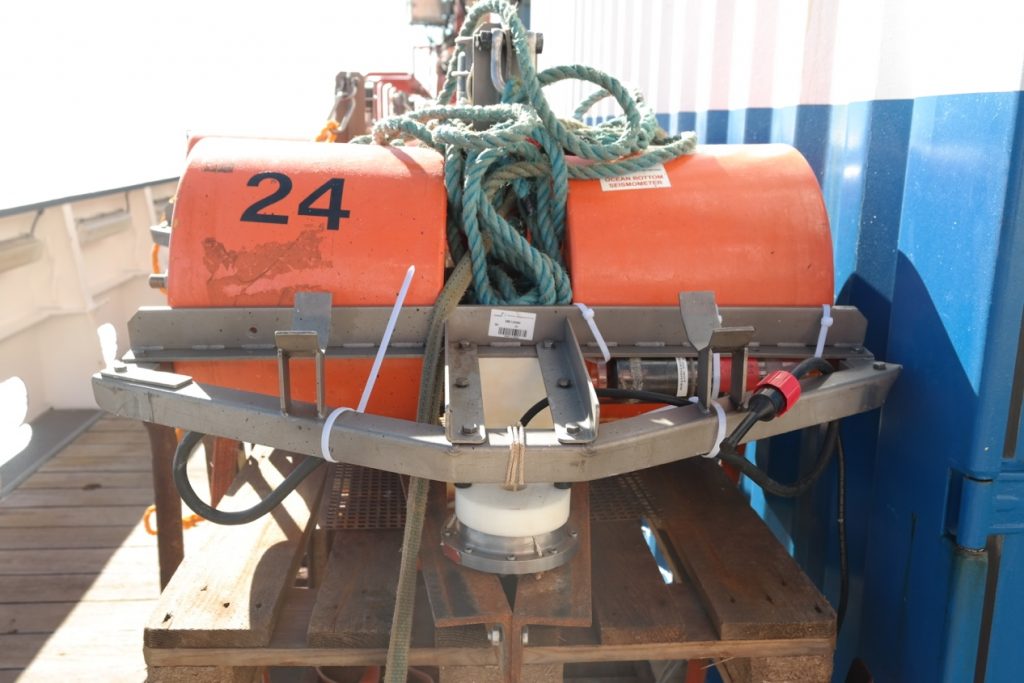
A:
(18, 650)
(127, 616)
(117, 515)
(357, 596)
(120, 437)
(95, 464)
(203, 674)
(632, 604)
(76, 656)
(695, 649)
(458, 596)
(139, 449)
(75, 537)
(222, 460)
(561, 597)
(230, 593)
(116, 424)
(749, 584)
(86, 480)
(806, 669)
(170, 542)
(78, 587)
(354, 605)
(101, 496)
(296, 655)
(42, 561)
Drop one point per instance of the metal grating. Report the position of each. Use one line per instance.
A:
(622, 498)
(364, 498)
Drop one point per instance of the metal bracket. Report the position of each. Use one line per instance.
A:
(464, 393)
(161, 234)
(146, 376)
(571, 396)
(308, 338)
(702, 324)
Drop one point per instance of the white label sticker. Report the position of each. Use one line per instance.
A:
(648, 179)
(682, 377)
(512, 324)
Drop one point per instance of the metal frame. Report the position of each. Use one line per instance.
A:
(159, 333)
(423, 450)
(465, 451)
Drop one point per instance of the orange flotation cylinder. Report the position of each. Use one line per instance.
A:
(746, 221)
(257, 221)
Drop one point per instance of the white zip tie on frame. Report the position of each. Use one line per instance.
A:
(325, 435)
(720, 434)
(826, 322)
(588, 315)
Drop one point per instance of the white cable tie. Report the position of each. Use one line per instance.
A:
(720, 434)
(389, 329)
(716, 375)
(386, 340)
(826, 322)
(325, 435)
(588, 315)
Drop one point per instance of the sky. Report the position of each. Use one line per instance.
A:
(102, 93)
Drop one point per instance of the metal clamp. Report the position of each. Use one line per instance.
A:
(571, 396)
(703, 328)
(308, 338)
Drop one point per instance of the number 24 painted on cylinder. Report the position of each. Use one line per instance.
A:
(333, 188)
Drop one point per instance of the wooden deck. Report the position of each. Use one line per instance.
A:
(78, 572)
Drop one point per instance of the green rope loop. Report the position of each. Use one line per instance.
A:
(506, 172)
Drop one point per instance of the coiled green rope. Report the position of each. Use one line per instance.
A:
(513, 156)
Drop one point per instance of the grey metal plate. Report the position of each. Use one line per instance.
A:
(464, 399)
(140, 375)
(160, 333)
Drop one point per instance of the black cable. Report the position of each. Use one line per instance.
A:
(632, 394)
(813, 363)
(777, 488)
(844, 560)
(184, 452)
(764, 409)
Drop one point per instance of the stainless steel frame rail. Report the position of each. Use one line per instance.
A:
(163, 335)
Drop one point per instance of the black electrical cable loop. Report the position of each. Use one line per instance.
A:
(632, 394)
(777, 488)
(183, 453)
(728, 450)
(813, 363)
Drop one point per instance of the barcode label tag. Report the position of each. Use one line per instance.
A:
(648, 179)
(682, 378)
(512, 324)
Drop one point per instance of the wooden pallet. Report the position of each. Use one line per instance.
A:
(737, 598)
